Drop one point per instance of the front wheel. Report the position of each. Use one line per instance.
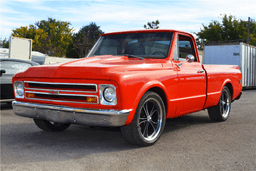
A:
(221, 112)
(50, 126)
(148, 122)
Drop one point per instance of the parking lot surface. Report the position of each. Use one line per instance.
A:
(191, 142)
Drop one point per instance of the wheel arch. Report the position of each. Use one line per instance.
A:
(228, 84)
(230, 87)
(161, 93)
(154, 86)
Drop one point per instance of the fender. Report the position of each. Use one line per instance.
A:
(213, 99)
(226, 82)
(142, 91)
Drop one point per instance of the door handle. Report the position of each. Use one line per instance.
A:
(200, 71)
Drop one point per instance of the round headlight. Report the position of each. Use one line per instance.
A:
(109, 94)
(19, 89)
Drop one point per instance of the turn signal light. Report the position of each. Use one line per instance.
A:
(92, 99)
(30, 95)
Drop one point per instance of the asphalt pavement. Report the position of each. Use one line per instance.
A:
(191, 142)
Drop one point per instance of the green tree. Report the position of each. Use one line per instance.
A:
(59, 35)
(85, 38)
(230, 29)
(37, 35)
(5, 43)
(152, 25)
(71, 51)
(50, 36)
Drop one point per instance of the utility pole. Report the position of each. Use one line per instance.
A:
(248, 39)
(248, 31)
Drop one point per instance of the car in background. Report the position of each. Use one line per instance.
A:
(9, 67)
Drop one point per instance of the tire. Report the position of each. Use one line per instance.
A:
(50, 126)
(148, 122)
(221, 112)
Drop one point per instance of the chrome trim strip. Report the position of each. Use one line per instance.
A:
(62, 101)
(63, 114)
(53, 83)
(61, 90)
(184, 98)
(192, 97)
(214, 93)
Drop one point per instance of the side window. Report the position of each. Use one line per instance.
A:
(185, 47)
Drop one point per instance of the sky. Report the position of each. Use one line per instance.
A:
(121, 15)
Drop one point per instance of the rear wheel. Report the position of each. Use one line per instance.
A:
(148, 122)
(50, 126)
(221, 112)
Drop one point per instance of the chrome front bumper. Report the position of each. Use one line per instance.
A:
(62, 114)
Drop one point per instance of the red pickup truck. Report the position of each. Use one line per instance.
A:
(133, 80)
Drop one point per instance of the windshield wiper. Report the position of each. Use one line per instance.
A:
(133, 56)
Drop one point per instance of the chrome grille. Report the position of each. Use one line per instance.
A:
(67, 87)
(61, 92)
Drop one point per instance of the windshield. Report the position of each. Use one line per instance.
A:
(146, 45)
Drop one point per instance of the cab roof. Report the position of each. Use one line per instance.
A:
(146, 31)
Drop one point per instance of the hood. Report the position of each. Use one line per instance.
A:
(99, 67)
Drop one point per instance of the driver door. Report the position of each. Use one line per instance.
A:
(191, 78)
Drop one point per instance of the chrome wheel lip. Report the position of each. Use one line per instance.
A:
(149, 120)
(225, 104)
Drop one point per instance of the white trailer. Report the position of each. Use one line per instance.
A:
(20, 48)
(239, 54)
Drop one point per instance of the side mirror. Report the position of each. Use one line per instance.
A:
(190, 58)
